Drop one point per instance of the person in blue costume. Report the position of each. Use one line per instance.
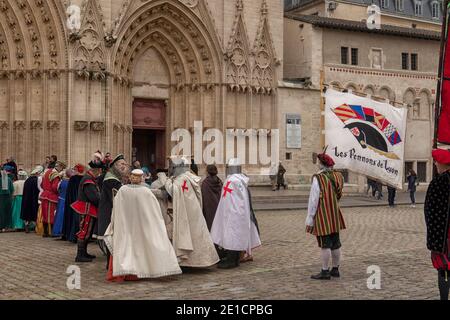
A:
(17, 223)
(30, 199)
(59, 218)
(71, 224)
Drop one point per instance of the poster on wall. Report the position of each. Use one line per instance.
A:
(293, 131)
(366, 136)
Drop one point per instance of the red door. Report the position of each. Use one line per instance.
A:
(149, 133)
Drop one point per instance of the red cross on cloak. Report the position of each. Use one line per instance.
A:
(227, 189)
(185, 187)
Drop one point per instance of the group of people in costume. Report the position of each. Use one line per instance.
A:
(145, 231)
(182, 220)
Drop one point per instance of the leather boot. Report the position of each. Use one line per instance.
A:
(323, 275)
(443, 284)
(221, 252)
(335, 272)
(81, 252)
(45, 234)
(230, 261)
(90, 256)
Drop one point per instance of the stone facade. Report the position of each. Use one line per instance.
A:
(378, 73)
(72, 71)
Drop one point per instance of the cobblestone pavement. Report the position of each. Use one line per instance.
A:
(393, 239)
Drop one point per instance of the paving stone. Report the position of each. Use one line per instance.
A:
(393, 239)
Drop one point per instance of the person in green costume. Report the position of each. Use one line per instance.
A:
(17, 222)
(6, 192)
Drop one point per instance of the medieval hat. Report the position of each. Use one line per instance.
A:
(325, 159)
(79, 168)
(96, 164)
(117, 158)
(8, 168)
(137, 172)
(234, 162)
(37, 170)
(22, 174)
(62, 164)
(441, 156)
(180, 160)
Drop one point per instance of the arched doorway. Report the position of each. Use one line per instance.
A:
(167, 70)
(151, 83)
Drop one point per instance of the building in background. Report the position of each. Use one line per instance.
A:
(398, 62)
(134, 71)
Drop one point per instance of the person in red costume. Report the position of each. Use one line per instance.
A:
(87, 207)
(49, 196)
(437, 219)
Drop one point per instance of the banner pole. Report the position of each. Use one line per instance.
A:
(322, 111)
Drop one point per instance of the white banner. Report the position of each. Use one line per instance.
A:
(366, 136)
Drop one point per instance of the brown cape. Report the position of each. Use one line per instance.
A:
(211, 192)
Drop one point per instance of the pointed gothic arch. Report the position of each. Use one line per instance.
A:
(33, 60)
(182, 35)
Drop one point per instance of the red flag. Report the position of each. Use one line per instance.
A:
(443, 129)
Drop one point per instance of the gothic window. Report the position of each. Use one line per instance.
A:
(408, 99)
(369, 90)
(354, 56)
(351, 87)
(418, 8)
(414, 61)
(435, 12)
(405, 59)
(387, 93)
(344, 55)
(416, 109)
(425, 105)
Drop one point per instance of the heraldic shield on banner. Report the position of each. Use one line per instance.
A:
(366, 136)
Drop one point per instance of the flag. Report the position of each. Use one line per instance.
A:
(443, 105)
(366, 136)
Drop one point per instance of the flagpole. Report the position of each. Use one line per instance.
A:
(322, 111)
(438, 106)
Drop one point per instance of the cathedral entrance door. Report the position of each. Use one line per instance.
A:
(149, 133)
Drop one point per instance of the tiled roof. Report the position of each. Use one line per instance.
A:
(362, 27)
(388, 6)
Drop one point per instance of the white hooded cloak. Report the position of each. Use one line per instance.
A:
(191, 239)
(137, 237)
(233, 228)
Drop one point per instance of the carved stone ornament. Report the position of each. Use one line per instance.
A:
(4, 125)
(190, 3)
(35, 124)
(97, 126)
(20, 124)
(52, 125)
(116, 127)
(81, 125)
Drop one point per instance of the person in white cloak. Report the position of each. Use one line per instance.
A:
(190, 238)
(235, 228)
(137, 237)
(159, 190)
